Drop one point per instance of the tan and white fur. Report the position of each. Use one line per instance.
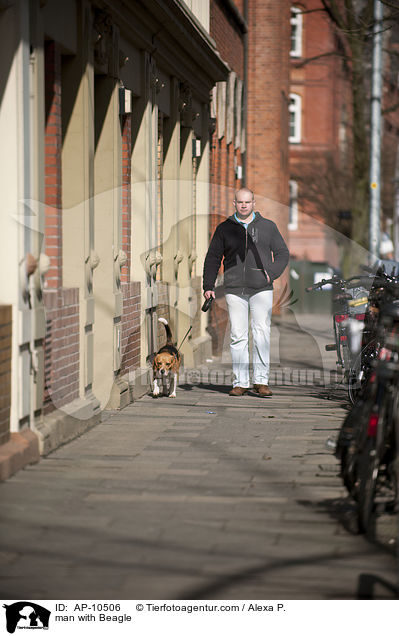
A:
(166, 365)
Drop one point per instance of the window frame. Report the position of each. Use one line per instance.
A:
(296, 20)
(295, 109)
(293, 206)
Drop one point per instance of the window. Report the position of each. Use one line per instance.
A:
(296, 32)
(295, 119)
(293, 211)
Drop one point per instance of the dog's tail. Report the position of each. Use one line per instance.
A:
(167, 329)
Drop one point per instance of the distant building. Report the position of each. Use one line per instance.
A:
(320, 136)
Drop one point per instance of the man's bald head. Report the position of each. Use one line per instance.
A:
(244, 202)
(243, 191)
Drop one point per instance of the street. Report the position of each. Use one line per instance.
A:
(201, 497)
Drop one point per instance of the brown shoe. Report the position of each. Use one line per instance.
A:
(238, 390)
(262, 390)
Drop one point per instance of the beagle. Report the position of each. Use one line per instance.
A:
(166, 366)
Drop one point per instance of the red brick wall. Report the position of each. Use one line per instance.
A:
(130, 340)
(230, 44)
(323, 87)
(131, 312)
(126, 193)
(390, 134)
(240, 6)
(5, 372)
(196, 283)
(61, 349)
(223, 179)
(227, 35)
(53, 147)
(61, 345)
(223, 159)
(267, 114)
(318, 83)
(268, 90)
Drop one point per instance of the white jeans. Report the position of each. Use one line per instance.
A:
(259, 307)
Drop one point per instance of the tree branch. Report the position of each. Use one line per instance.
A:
(390, 109)
(306, 11)
(317, 57)
(350, 16)
(332, 10)
(390, 4)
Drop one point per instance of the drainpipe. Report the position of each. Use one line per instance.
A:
(245, 79)
(396, 208)
(375, 146)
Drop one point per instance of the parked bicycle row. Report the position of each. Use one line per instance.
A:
(366, 328)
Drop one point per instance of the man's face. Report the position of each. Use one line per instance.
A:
(244, 204)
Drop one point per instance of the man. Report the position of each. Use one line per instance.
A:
(254, 254)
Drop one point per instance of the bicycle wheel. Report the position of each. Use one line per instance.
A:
(359, 371)
(368, 465)
(395, 454)
(369, 462)
(348, 444)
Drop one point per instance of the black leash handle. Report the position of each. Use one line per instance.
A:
(207, 304)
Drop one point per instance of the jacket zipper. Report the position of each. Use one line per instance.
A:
(245, 259)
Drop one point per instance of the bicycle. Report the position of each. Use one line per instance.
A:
(345, 291)
(363, 356)
(367, 445)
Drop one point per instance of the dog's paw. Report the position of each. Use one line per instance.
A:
(172, 395)
(155, 391)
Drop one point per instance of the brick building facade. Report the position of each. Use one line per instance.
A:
(105, 177)
(133, 130)
(61, 343)
(267, 163)
(321, 138)
(319, 135)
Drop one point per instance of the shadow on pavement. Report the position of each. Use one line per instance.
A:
(366, 582)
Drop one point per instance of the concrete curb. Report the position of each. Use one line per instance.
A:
(22, 449)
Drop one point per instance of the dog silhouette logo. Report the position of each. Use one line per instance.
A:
(26, 615)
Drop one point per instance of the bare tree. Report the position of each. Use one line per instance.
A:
(352, 21)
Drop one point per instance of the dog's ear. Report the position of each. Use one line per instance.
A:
(176, 363)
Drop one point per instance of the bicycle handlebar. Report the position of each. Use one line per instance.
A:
(344, 282)
(324, 281)
(379, 278)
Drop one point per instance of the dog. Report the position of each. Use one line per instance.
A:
(166, 366)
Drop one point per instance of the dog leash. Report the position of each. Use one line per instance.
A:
(189, 329)
(204, 307)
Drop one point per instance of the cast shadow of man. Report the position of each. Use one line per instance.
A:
(298, 348)
(297, 345)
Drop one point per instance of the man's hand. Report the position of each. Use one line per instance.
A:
(209, 297)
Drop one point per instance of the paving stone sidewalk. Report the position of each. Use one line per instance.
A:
(201, 497)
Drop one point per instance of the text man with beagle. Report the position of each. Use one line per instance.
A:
(254, 254)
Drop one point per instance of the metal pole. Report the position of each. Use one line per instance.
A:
(375, 143)
(396, 209)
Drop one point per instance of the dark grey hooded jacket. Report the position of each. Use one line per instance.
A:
(248, 255)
